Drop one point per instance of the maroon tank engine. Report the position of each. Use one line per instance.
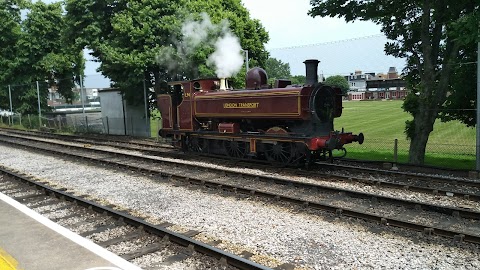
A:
(288, 124)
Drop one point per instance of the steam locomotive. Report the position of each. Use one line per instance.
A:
(287, 124)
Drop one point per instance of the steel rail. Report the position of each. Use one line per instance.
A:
(429, 230)
(404, 186)
(66, 137)
(447, 180)
(177, 238)
(455, 211)
(412, 187)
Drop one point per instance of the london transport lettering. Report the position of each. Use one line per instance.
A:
(241, 105)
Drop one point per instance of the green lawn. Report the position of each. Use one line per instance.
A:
(451, 144)
(155, 123)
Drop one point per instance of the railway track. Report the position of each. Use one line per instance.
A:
(366, 205)
(114, 229)
(424, 183)
(441, 186)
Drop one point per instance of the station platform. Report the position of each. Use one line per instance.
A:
(29, 241)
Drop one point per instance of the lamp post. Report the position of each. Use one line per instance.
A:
(246, 59)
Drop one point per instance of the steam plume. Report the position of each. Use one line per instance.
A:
(227, 59)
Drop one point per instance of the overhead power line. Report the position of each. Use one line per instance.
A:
(326, 43)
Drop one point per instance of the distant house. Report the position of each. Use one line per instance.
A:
(381, 86)
(358, 80)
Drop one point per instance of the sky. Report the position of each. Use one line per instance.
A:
(295, 36)
(289, 25)
(341, 47)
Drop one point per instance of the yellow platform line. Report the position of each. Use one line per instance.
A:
(7, 262)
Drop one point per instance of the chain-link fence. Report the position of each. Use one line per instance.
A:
(94, 124)
(451, 144)
(456, 150)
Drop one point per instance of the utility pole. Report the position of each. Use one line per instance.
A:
(39, 107)
(246, 59)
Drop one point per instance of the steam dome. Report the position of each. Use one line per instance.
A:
(256, 78)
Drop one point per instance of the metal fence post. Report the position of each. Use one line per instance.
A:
(20, 119)
(39, 107)
(158, 129)
(131, 126)
(75, 123)
(395, 155)
(29, 121)
(11, 108)
(395, 151)
(108, 127)
(86, 123)
(147, 120)
(82, 96)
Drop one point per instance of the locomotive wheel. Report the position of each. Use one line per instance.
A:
(196, 144)
(235, 149)
(299, 154)
(280, 152)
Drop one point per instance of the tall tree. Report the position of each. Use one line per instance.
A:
(10, 33)
(338, 81)
(461, 103)
(276, 69)
(44, 56)
(127, 37)
(422, 31)
(298, 79)
(33, 49)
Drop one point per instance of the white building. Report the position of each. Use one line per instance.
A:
(358, 80)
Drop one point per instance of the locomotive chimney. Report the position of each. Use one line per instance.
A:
(223, 84)
(311, 75)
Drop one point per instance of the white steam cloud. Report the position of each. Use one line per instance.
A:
(227, 60)
(197, 32)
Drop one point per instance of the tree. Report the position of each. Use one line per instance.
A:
(129, 37)
(461, 103)
(33, 49)
(10, 31)
(338, 81)
(276, 69)
(298, 79)
(44, 56)
(424, 32)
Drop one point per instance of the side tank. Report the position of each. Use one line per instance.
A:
(280, 103)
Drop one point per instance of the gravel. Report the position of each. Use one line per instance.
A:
(110, 233)
(438, 199)
(274, 233)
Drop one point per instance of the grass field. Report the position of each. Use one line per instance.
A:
(155, 123)
(451, 144)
